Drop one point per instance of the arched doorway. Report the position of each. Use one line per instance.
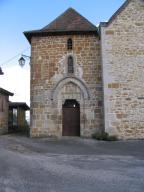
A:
(71, 118)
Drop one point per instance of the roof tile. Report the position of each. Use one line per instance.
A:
(68, 22)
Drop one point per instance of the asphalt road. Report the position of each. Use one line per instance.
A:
(70, 165)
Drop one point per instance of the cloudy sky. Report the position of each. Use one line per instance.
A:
(17, 16)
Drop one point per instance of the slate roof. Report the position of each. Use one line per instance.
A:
(70, 22)
(5, 92)
(18, 105)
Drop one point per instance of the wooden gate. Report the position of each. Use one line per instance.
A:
(71, 118)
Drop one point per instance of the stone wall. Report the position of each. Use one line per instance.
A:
(51, 85)
(3, 114)
(123, 72)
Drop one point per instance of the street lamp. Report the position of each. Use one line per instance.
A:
(1, 72)
(22, 60)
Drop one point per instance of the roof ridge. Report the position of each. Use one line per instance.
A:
(69, 22)
(64, 13)
(84, 18)
(56, 18)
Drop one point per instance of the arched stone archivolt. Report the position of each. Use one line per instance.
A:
(70, 91)
(67, 80)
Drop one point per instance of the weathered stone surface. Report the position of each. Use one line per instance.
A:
(51, 84)
(119, 53)
(123, 68)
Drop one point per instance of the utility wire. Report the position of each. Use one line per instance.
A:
(9, 60)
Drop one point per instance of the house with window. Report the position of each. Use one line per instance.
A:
(4, 110)
(86, 79)
(12, 114)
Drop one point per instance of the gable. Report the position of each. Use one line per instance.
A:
(124, 7)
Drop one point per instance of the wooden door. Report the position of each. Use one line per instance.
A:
(71, 119)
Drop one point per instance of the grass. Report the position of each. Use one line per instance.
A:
(104, 137)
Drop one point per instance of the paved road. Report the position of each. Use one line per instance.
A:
(70, 165)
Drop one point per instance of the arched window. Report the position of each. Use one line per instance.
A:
(70, 65)
(69, 44)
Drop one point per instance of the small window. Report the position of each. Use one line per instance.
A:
(69, 44)
(70, 65)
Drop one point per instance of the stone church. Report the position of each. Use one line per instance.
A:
(86, 79)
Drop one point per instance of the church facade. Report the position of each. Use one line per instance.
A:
(86, 79)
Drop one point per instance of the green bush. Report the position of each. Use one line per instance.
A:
(104, 137)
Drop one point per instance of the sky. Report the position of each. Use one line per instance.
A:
(18, 16)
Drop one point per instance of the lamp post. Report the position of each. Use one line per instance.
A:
(1, 72)
(22, 60)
